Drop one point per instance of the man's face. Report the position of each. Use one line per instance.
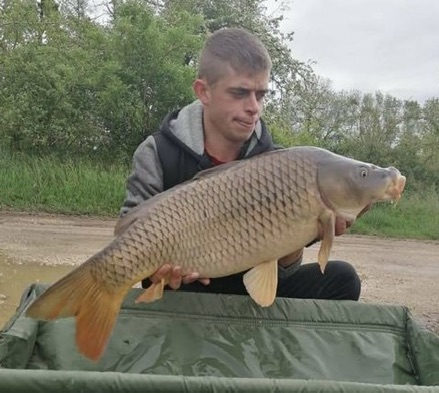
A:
(233, 105)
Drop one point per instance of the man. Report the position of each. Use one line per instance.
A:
(224, 124)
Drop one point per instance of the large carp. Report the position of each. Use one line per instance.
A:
(238, 216)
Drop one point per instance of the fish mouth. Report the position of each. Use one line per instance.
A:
(395, 189)
(393, 192)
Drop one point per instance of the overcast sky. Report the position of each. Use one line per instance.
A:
(369, 45)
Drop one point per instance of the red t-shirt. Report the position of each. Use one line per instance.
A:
(214, 160)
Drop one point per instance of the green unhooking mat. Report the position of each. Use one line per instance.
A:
(219, 343)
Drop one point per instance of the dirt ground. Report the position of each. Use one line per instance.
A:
(44, 247)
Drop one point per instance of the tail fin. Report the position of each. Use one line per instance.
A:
(80, 295)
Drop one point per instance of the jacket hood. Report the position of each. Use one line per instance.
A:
(186, 126)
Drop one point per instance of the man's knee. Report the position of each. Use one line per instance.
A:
(347, 278)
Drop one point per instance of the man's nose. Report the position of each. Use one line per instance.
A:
(252, 103)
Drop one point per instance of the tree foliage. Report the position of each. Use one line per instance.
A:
(70, 85)
(74, 84)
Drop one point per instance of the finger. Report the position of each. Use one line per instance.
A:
(191, 277)
(340, 226)
(204, 281)
(160, 273)
(175, 279)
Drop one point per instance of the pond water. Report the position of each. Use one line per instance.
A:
(15, 277)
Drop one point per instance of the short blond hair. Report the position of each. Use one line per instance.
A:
(234, 47)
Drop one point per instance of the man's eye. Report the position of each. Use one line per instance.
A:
(260, 96)
(239, 93)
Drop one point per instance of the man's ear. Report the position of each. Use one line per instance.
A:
(202, 90)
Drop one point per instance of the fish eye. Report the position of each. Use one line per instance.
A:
(364, 172)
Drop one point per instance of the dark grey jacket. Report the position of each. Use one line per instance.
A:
(175, 154)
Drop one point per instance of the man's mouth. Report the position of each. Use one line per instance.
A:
(246, 124)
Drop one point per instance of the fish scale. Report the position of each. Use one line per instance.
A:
(244, 212)
(259, 205)
(240, 216)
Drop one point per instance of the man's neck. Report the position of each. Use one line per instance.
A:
(221, 149)
(218, 146)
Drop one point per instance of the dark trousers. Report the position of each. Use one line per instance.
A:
(340, 282)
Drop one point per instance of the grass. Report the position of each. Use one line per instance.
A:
(83, 187)
(56, 186)
(415, 216)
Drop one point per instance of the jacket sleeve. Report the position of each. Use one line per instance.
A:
(146, 178)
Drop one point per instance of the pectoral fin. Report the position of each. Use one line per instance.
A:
(327, 221)
(153, 292)
(261, 283)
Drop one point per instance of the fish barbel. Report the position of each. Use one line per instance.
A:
(235, 217)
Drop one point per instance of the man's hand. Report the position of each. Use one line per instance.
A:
(342, 225)
(175, 276)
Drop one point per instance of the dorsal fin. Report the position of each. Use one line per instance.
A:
(217, 169)
(141, 210)
(232, 164)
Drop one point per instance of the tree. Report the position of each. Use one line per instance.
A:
(87, 88)
(430, 140)
(153, 76)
